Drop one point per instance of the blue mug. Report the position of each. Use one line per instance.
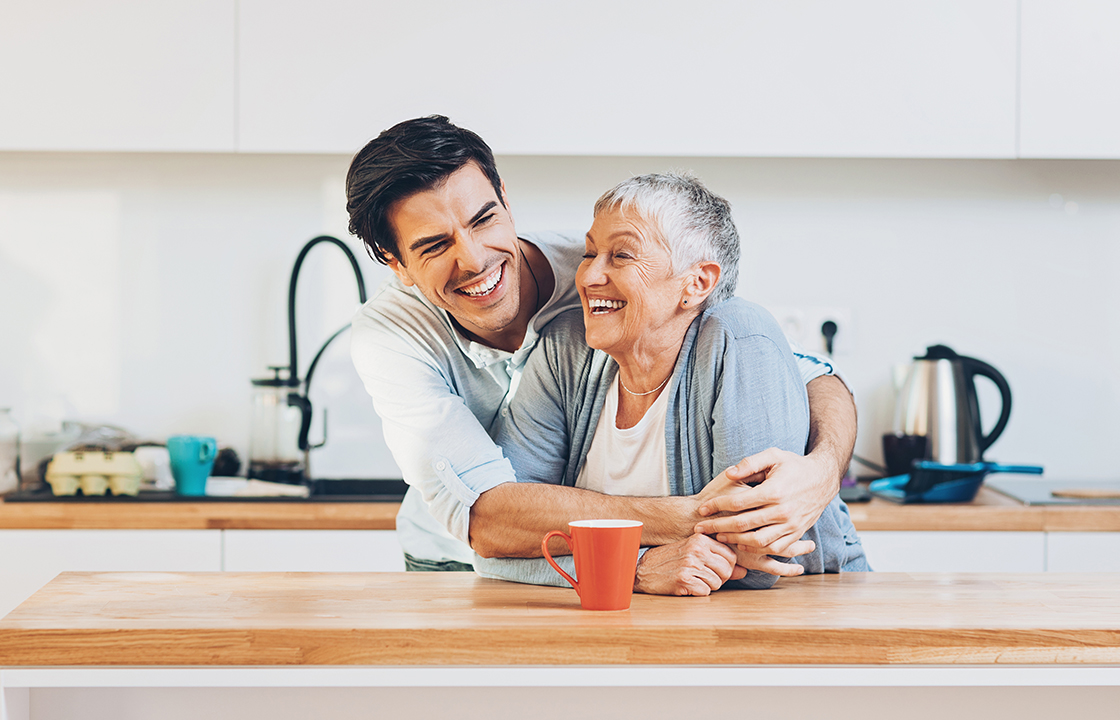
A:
(192, 459)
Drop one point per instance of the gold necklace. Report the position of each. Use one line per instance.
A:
(645, 393)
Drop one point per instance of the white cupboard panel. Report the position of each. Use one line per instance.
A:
(155, 75)
(312, 551)
(861, 78)
(31, 558)
(1070, 104)
(903, 551)
(1083, 552)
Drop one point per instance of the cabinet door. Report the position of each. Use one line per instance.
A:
(1083, 552)
(31, 558)
(312, 551)
(1070, 104)
(126, 75)
(858, 78)
(955, 551)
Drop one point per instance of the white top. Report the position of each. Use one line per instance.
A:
(628, 461)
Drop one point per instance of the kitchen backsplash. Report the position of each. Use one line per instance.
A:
(146, 290)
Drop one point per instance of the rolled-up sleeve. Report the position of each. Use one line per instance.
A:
(438, 442)
(813, 365)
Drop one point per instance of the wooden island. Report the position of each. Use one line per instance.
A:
(1005, 632)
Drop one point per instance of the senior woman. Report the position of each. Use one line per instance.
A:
(664, 379)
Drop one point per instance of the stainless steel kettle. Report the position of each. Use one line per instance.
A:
(937, 416)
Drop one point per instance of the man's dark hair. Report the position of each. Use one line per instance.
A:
(410, 157)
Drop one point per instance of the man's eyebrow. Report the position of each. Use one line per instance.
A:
(485, 209)
(417, 244)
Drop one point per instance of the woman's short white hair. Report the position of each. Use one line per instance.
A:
(693, 223)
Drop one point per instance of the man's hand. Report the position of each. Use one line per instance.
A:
(770, 517)
(695, 566)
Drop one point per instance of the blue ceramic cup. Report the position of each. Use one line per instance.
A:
(192, 458)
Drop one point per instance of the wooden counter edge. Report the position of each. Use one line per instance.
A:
(991, 512)
(540, 646)
(199, 516)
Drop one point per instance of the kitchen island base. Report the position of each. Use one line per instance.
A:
(561, 693)
(402, 645)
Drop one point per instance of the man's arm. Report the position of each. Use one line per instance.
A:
(511, 519)
(794, 490)
(440, 445)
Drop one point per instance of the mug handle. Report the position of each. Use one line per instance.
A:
(208, 451)
(548, 555)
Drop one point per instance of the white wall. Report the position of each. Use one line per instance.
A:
(146, 290)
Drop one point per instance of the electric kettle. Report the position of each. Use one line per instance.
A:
(937, 416)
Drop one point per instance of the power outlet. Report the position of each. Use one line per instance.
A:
(802, 325)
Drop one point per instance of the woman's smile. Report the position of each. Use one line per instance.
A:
(603, 306)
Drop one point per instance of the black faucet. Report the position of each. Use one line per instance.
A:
(295, 398)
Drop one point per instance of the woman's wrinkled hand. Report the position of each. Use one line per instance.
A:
(694, 566)
(751, 559)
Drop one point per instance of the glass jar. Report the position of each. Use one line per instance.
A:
(9, 452)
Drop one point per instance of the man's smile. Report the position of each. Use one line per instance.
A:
(486, 285)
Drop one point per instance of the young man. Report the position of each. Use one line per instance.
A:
(441, 347)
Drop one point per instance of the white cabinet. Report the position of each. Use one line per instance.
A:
(1070, 106)
(1083, 552)
(858, 78)
(30, 558)
(312, 551)
(986, 552)
(153, 75)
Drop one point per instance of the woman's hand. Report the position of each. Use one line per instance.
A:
(770, 517)
(695, 566)
(751, 559)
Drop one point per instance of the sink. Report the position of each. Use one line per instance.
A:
(367, 489)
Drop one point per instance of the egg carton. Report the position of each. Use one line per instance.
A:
(94, 472)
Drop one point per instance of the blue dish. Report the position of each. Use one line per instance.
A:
(955, 491)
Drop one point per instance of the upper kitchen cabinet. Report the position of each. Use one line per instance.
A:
(1070, 105)
(864, 78)
(132, 75)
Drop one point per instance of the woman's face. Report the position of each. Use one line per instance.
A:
(630, 296)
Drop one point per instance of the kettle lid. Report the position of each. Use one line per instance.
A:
(939, 352)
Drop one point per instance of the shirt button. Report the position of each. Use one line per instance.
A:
(505, 413)
(441, 465)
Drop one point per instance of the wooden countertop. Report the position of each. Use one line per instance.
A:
(991, 511)
(454, 619)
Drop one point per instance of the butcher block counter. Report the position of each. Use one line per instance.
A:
(422, 645)
(419, 619)
(990, 511)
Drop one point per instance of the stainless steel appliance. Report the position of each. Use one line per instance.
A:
(937, 416)
(279, 444)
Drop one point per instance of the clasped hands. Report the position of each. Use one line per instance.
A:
(739, 525)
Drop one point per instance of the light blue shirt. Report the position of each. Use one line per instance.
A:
(439, 395)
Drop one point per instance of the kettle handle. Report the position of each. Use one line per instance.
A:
(975, 367)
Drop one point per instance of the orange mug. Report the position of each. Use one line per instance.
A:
(606, 556)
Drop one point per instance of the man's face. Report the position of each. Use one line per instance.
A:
(458, 246)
